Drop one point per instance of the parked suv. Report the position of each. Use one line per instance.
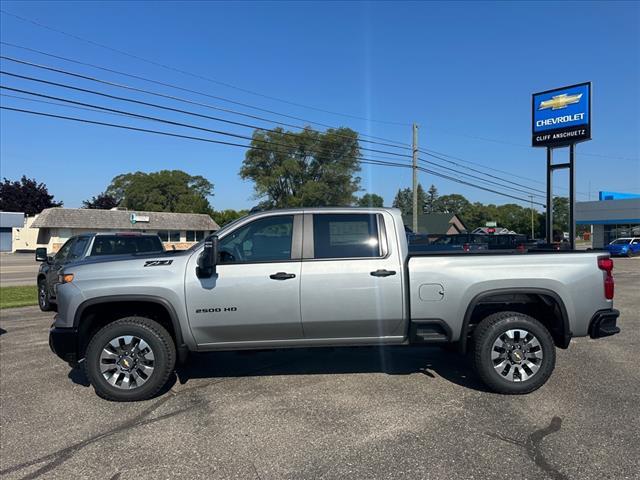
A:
(83, 246)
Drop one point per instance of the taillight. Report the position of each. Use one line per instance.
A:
(606, 264)
(521, 248)
(466, 247)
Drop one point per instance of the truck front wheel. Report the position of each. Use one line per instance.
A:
(130, 359)
(513, 352)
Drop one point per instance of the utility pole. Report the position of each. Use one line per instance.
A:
(415, 178)
(532, 232)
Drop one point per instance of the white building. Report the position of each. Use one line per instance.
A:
(54, 226)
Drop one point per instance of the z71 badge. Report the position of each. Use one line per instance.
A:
(157, 263)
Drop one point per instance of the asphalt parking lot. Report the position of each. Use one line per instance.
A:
(327, 413)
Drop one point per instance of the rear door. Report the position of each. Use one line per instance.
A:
(351, 283)
(255, 295)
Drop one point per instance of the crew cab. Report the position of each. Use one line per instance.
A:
(326, 277)
(80, 247)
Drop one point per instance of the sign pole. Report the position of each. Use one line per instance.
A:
(572, 197)
(415, 178)
(549, 216)
(532, 231)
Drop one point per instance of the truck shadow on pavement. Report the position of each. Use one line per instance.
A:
(431, 362)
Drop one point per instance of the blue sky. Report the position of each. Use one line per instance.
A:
(463, 71)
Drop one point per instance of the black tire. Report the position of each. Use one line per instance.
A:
(158, 340)
(43, 297)
(494, 327)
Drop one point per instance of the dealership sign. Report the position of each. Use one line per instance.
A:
(561, 116)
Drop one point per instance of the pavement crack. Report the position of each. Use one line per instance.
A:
(57, 458)
(533, 446)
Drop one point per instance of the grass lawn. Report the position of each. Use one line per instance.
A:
(18, 296)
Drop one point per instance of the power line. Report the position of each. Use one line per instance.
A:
(172, 97)
(483, 173)
(187, 112)
(435, 154)
(147, 117)
(271, 111)
(190, 137)
(58, 104)
(201, 77)
(93, 106)
(480, 179)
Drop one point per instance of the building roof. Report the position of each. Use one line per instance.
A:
(435, 223)
(121, 219)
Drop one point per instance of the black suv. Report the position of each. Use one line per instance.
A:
(84, 246)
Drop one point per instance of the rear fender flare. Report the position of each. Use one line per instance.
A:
(539, 291)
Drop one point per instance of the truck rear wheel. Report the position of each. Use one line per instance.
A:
(513, 353)
(130, 359)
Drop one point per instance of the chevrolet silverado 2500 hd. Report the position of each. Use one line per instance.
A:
(326, 277)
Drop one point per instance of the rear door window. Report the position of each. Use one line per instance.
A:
(346, 236)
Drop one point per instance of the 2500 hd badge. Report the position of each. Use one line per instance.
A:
(216, 309)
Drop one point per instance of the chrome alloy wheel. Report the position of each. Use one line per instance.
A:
(127, 362)
(516, 355)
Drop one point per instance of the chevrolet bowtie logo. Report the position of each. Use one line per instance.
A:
(560, 101)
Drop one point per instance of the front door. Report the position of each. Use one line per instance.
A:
(255, 294)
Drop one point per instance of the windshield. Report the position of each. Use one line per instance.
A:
(222, 231)
(621, 241)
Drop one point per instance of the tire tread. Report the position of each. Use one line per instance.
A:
(160, 332)
(479, 335)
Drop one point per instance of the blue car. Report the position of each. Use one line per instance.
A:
(625, 246)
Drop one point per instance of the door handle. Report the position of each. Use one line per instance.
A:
(282, 276)
(383, 273)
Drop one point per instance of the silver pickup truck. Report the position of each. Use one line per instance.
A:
(326, 277)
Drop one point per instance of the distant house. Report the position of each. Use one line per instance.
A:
(8, 221)
(436, 223)
(54, 226)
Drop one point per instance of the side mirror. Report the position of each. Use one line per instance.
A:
(207, 261)
(41, 254)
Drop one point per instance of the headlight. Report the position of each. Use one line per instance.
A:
(65, 278)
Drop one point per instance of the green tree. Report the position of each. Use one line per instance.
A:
(453, 203)
(404, 200)
(370, 200)
(561, 214)
(103, 201)
(431, 200)
(222, 217)
(25, 195)
(307, 168)
(163, 191)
